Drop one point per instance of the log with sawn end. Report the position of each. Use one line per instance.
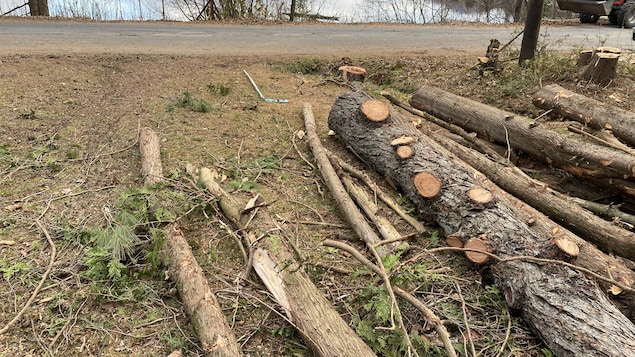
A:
(557, 302)
(564, 150)
(587, 111)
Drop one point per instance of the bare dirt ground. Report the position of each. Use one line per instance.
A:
(69, 159)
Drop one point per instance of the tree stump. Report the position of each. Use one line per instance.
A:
(602, 66)
(353, 73)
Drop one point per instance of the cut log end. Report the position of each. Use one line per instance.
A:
(567, 246)
(427, 185)
(375, 110)
(405, 152)
(477, 244)
(402, 140)
(480, 195)
(454, 240)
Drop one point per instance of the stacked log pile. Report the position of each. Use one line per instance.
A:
(557, 301)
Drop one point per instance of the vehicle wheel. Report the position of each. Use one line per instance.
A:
(589, 18)
(626, 15)
(613, 17)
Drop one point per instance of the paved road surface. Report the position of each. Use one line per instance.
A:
(56, 36)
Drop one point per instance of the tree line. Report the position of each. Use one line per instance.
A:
(395, 11)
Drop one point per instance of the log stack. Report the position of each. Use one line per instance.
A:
(563, 306)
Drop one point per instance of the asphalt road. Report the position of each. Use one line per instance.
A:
(58, 36)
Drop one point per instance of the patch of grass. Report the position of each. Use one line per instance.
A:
(219, 89)
(309, 65)
(190, 102)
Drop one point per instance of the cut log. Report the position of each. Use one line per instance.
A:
(375, 110)
(199, 302)
(606, 235)
(322, 328)
(405, 152)
(602, 66)
(587, 111)
(563, 150)
(477, 244)
(555, 301)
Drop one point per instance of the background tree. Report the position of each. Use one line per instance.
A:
(39, 7)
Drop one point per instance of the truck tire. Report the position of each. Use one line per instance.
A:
(589, 18)
(626, 15)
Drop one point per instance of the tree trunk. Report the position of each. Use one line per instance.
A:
(587, 111)
(39, 7)
(322, 328)
(199, 302)
(564, 150)
(532, 30)
(565, 308)
(570, 215)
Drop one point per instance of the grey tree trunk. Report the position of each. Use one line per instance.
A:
(565, 309)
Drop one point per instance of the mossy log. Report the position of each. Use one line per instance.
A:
(565, 308)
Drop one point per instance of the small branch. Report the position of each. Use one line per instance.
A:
(429, 314)
(39, 286)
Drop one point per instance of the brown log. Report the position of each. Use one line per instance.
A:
(584, 58)
(199, 302)
(151, 168)
(587, 111)
(555, 301)
(564, 150)
(322, 328)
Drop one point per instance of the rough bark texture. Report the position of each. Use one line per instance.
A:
(587, 111)
(322, 328)
(566, 309)
(199, 302)
(601, 68)
(565, 150)
(151, 168)
(589, 257)
(607, 236)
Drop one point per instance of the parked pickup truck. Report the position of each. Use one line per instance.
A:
(620, 12)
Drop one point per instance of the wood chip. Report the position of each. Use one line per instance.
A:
(402, 140)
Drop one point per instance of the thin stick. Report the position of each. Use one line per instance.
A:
(430, 316)
(468, 331)
(39, 286)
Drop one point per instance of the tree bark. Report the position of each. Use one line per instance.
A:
(566, 309)
(322, 328)
(532, 30)
(199, 302)
(602, 66)
(567, 151)
(39, 7)
(542, 202)
(587, 111)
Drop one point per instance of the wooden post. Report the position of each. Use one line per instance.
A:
(532, 30)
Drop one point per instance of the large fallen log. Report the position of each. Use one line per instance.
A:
(559, 209)
(587, 111)
(564, 307)
(199, 302)
(564, 150)
(322, 328)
